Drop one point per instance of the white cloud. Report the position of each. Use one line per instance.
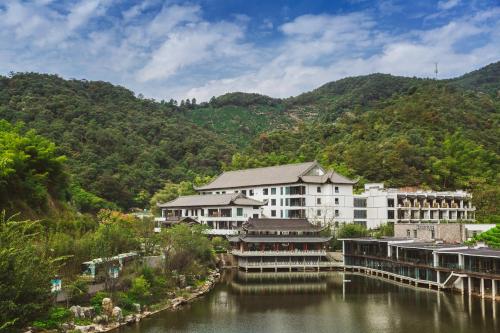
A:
(175, 51)
(448, 4)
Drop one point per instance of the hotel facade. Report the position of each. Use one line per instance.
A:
(308, 191)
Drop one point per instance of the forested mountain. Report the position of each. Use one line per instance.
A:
(118, 146)
(441, 134)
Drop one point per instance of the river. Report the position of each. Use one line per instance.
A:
(326, 302)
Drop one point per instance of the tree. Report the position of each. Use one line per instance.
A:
(30, 168)
(25, 273)
(185, 247)
(171, 191)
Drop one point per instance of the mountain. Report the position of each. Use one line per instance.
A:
(120, 147)
(484, 80)
(405, 131)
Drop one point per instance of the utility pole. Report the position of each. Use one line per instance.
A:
(436, 70)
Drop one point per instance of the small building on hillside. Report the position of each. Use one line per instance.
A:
(280, 244)
(224, 214)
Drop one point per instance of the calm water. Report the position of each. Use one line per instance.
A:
(314, 303)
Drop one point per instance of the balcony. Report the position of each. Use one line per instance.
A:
(287, 264)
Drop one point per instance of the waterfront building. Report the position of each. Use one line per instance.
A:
(377, 205)
(303, 190)
(280, 244)
(429, 264)
(224, 214)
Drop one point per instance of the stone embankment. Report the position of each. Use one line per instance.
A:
(112, 318)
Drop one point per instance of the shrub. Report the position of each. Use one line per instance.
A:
(141, 290)
(96, 301)
(56, 317)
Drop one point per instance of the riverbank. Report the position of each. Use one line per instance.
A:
(189, 294)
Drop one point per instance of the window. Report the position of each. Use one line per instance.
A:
(236, 191)
(336, 189)
(390, 214)
(318, 201)
(318, 189)
(281, 202)
(337, 214)
(408, 233)
(390, 202)
(273, 190)
(239, 211)
(223, 192)
(433, 234)
(273, 213)
(359, 202)
(244, 192)
(217, 192)
(225, 212)
(360, 214)
(265, 191)
(273, 202)
(336, 201)
(281, 213)
(255, 216)
(250, 192)
(281, 190)
(318, 212)
(415, 233)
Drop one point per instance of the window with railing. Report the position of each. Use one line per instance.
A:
(295, 190)
(296, 202)
(359, 202)
(360, 214)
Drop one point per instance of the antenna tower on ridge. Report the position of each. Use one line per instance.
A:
(436, 70)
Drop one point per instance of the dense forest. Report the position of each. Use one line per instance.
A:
(121, 148)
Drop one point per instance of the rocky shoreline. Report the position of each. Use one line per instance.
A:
(119, 321)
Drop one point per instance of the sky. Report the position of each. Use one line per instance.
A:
(199, 49)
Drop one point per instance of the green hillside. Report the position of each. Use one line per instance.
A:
(239, 117)
(406, 131)
(118, 146)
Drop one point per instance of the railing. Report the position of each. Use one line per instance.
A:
(288, 264)
(279, 253)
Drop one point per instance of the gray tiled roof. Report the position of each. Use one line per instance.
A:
(280, 224)
(281, 174)
(229, 199)
(479, 252)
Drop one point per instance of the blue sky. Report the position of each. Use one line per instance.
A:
(181, 49)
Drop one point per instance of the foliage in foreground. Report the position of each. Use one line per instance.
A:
(25, 272)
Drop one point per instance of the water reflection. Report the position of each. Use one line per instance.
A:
(324, 302)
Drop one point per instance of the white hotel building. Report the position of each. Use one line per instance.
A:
(303, 190)
(306, 190)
